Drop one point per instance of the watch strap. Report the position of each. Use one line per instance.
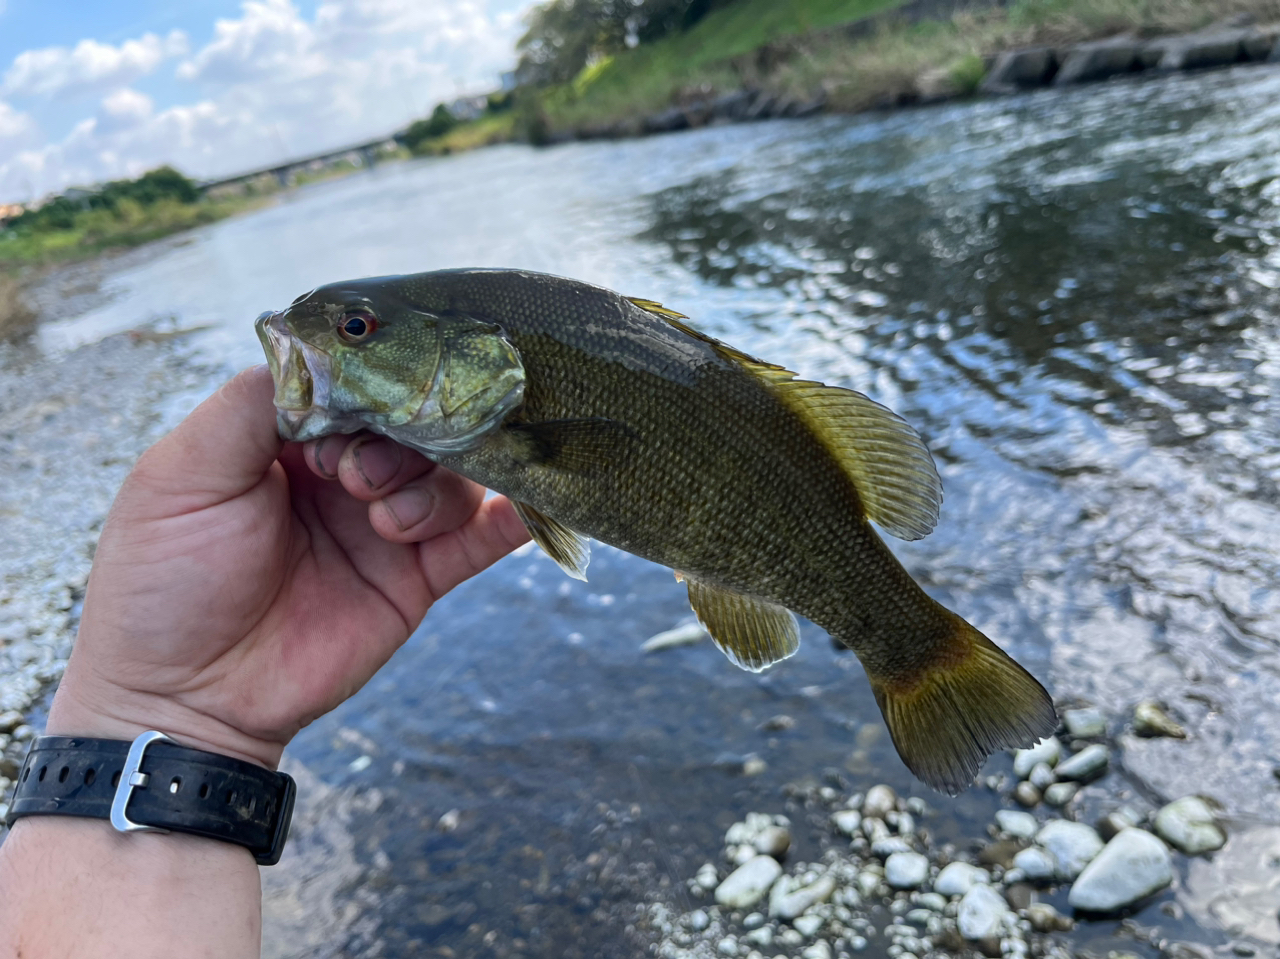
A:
(157, 784)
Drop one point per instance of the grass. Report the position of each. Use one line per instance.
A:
(483, 131)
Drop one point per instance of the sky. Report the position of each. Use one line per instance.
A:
(93, 91)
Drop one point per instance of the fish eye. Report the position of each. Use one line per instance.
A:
(355, 327)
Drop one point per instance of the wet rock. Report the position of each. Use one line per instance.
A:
(1085, 723)
(999, 853)
(933, 901)
(777, 724)
(906, 870)
(697, 921)
(9, 721)
(983, 913)
(1111, 824)
(807, 925)
(684, 635)
(1072, 844)
(819, 950)
(794, 903)
(1218, 48)
(1046, 751)
(668, 121)
(1044, 918)
(747, 884)
(731, 106)
(1151, 721)
(1190, 825)
(889, 846)
(707, 876)
(1020, 70)
(1086, 765)
(879, 802)
(753, 766)
(1133, 865)
(1042, 776)
(1038, 865)
(1015, 823)
(1059, 794)
(1027, 794)
(958, 878)
(1098, 61)
(848, 821)
(728, 946)
(773, 841)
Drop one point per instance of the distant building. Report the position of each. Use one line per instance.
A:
(10, 211)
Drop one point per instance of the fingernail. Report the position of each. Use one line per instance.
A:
(377, 461)
(409, 507)
(326, 455)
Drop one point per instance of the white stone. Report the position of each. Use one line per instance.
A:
(889, 846)
(794, 903)
(684, 635)
(906, 870)
(879, 802)
(697, 920)
(848, 821)
(747, 884)
(867, 882)
(983, 912)
(819, 950)
(1190, 825)
(807, 925)
(934, 902)
(728, 946)
(1045, 751)
(1087, 764)
(1133, 865)
(773, 841)
(1036, 864)
(1042, 776)
(1085, 723)
(1059, 794)
(1072, 844)
(957, 878)
(1014, 822)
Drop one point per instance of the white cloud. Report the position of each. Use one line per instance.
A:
(270, 39)
(15, 127)
(123, 109)
(89, 66)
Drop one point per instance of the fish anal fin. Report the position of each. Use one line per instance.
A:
(570, 551)
(948, 717)
(591, 444)
(754, 634)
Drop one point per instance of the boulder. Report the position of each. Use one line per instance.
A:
(1098, 61)
(1021, 70)
(1133, 865)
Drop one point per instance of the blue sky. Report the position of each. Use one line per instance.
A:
(91, 91)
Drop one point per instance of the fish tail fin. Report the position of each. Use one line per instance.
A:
(969, 701)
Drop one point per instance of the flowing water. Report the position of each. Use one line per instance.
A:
(1073, 296)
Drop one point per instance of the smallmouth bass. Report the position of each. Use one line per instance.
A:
(604, 416)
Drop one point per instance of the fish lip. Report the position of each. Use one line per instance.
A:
(296, 421)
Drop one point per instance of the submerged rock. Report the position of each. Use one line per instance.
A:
(879, 802)
(1044, 918)
(773, 841)
(848, 821)
(906, 870)
(957, 878)
(1190, 825)
(1014, 822)
(983, 913)
(1085, 723)
(1037, 865)
(747, 884)
(1047, 751)
(794, 903)
(1027, 794)
(1059, 794)
(1072, 844)
(1131, 867)
(1150, 720)
(1088, 764)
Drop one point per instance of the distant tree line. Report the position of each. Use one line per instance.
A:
(564, 36)
(162, 183)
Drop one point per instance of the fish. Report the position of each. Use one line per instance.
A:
(608, 417)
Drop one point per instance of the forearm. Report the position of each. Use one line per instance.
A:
(76, 887)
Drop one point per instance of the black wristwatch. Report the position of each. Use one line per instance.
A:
(155, 785)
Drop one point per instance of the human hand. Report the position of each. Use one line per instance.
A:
(243, 587)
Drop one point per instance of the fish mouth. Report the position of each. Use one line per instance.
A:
(302, 380)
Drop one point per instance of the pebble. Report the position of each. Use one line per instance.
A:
(920, 917)
(933, 901)
(1086, 723)
(22, 733)
(1013, 822)
(1072, 844)
(906, 870)
(1036, 864)
(879, 802)
(807, 925)
(773, 841)
(889, 846)
(983, 912)
(794, 903)
(867, 882)
(1046, 751)
(819, 950)
(684, 635)
(697, 920)
(958, 878)
(1190, 825)
(754, 766)
(760, 937)
(1027, 794)
(1044, 918)
(9, 721)
(1122, 818)
(728, 946)
(747, 884)
(1059, 794)
(707, 876)
(1131, 867)
(1042, 776)
(1150, 720)
(858, 943)
(1089, 763)
(848, 821)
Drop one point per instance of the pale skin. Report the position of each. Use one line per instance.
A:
(242, 587)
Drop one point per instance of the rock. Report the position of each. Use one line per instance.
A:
(747, 884)
(1038, 865)
(874, 829)
(867, 882)
(1150, 720)
(933, 901)
(1086, 765)
(684, 635)
(819, 950)
(697, 920)
(728, 946)
(11, 720)
(1072, 844)
(1044, 918)
(1216, 48)
(1016, 823)
(889, 846)
(1027, 794)
(1190, 825)
(1133, 865)
(880, 801)
(906, 870)
(753, 920)
(983, 913)
(1085, 723)
(773, 841)
(958, 878)
(707, 876)
(753, 766)
(1097, 61)
(807, 925)
(22, 733)
(777, 724)
(1059, 794)
(731, 106)
(1111, 824)
(667, 121)
(1046, 751)
(794, 903)
(848, 821)
(999, 853)
(1020, 70)
(1042, 776)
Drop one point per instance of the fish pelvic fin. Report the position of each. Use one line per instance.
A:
(754, 634)
(571, 551)
(973, 699)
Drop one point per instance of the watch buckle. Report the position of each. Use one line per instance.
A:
(132, 777)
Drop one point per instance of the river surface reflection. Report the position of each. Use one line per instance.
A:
(1072, 295)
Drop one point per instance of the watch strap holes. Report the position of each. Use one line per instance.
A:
(204, 790)
(115, 779)
(63, 773)
(175, 784)
(43, 770)
(90, 775)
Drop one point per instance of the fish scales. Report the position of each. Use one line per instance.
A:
(623, 424)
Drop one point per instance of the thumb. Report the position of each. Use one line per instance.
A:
(221, 450)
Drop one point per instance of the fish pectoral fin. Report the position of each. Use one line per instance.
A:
(588, 445)
(753, 633)
(570, 551)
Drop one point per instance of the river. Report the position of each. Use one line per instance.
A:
(1071, 294)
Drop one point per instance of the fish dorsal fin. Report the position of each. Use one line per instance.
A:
(754, 634)
(571, 551)
(723, 349)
